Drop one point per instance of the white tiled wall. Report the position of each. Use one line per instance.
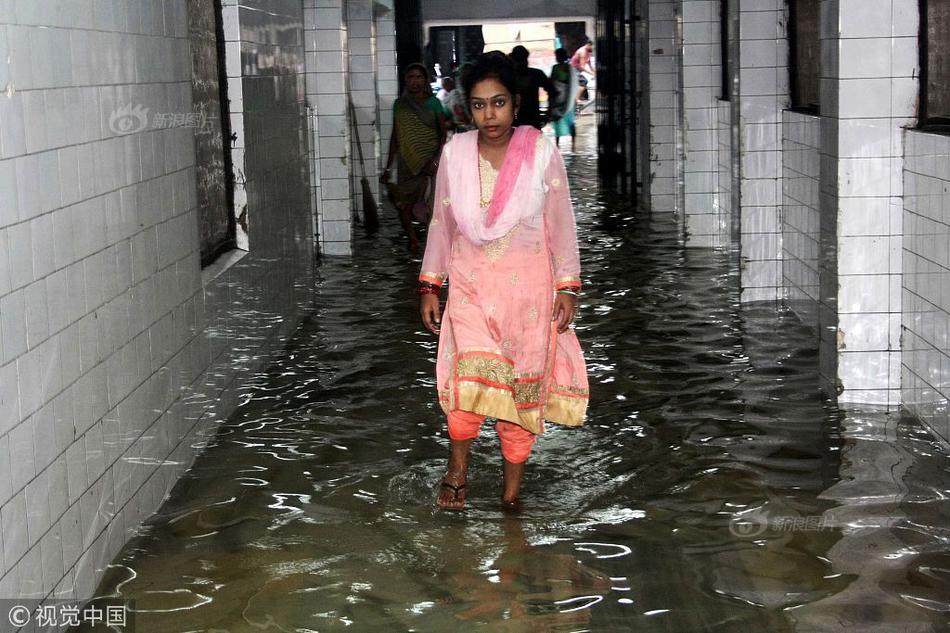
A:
(800, 213)
(387, 84)
(725, 176)
(700, 121)
(868, 94)
(326, 71)
(361, 46)
(664, 103)
(925, 375)
(763, 93)
(116, 356)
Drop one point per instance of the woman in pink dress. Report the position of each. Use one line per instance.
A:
(503, 235)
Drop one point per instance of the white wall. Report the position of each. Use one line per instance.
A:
(800, 213)
(763, 93)
(327, 90)
(361, 46)
(117, 354)
(868, 94)
(504, 9)
(701, 86)
(664, 104)
(925, 381)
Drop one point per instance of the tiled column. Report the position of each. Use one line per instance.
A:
(663, 68)
(800, 213)
(868, 94)
(326, 69)
(925, 301)
(387, 83)
(763, 94)
(699, 119)
(361, 43)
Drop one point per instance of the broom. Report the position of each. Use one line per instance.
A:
(370, 212)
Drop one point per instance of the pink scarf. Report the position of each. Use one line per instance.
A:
(508, 203)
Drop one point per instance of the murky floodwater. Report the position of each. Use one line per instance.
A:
(712, 489)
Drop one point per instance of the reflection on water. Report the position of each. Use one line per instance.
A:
(712, 490)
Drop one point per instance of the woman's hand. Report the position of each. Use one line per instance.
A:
(565, 309)
(430, 311)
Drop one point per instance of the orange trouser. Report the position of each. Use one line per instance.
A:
(516, 442)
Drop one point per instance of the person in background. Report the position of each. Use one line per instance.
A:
(416, 142)
(564, 78)
(503, 234)
(581, 61)
(529, 80)
(448, 85)
(456, 105)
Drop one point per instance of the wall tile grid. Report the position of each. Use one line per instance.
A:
(725, 193)
(763, 93)
(869, 95)
(387, 82)
(800, 214)
(326, 86)
(663, 69)
(700, 121)
(115, 360)
(925, 375)
(828, 200)
(361, 45)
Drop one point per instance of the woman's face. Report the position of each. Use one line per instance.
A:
(415, 81)
(493, 108)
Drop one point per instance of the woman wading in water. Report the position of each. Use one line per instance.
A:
(418, 132)
(503, 235)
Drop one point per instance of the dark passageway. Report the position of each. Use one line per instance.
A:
(712, 489)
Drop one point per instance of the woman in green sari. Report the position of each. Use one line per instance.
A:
(418, 134)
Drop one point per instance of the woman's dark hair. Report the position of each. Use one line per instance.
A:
(561, 55)
(416, 66)
(491, 65)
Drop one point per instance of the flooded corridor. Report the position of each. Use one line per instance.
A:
(713, 488)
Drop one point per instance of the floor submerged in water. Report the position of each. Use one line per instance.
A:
(713, 489)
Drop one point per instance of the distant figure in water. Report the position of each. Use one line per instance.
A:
(418, 134)
(528, 81)
(581, 61)
(503, 232)
(564, 78)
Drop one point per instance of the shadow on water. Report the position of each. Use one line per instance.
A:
(713, 489)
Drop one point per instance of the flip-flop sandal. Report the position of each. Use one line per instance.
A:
(455, 491)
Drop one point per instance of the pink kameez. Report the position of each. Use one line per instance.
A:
(500, 354)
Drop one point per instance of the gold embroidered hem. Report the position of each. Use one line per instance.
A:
(564, 282)
(485, 383)
(432, 278)
(565, 410)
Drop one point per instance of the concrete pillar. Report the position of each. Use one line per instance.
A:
(387, 83)
(361, 45)
(868, 94)
(664, 103)
(699, 119)
(326, 86)
(762, 95)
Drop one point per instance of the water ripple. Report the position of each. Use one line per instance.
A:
(713, 488)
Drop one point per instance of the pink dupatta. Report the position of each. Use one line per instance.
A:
(514, 177)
